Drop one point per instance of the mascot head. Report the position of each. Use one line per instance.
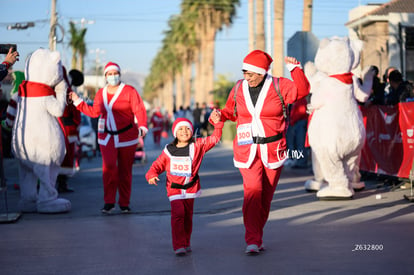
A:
(44, 66)
(338, 55)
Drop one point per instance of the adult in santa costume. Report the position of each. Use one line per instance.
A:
(181, 160)
(258, 104)
(38, 142)
(122, 118)
(157, 121)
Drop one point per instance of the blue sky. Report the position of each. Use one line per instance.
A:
(129, 32)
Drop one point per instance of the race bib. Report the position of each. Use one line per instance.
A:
(244, 134)
(101, 125)
(180, 166)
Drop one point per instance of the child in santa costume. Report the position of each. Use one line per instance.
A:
(258, 105)
(181, 159)
(70, 121)
(122, 118)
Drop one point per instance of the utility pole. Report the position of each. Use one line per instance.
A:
(53, 22)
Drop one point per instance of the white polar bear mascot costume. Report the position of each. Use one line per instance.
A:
(336, 131)
(38, 142)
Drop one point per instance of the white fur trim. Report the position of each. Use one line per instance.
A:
(291, 66)
(77, 102)
(112, 68)
(185, 195)
(182, 123)
(252, 68)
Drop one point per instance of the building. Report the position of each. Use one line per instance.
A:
(388, 34)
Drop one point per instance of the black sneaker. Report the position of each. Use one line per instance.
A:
(125, 209)
(108, 207)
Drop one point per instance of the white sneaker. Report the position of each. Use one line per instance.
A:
(180, 251)
(252, 249)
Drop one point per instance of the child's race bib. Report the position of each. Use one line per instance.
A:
(244, 134)
(101, 125)
(180, 166)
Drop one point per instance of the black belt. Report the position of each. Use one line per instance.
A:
(185, 186)
(263, 140)
(119, 131)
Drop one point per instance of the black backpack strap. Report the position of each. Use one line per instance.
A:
(235, 95)
(277, 89)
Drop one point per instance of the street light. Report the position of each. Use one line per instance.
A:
(20, 26)
(83, 22)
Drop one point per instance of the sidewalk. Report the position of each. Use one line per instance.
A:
(303, 235)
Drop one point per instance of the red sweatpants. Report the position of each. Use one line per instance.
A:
(259, 184)
(181, 222)
(117, 172)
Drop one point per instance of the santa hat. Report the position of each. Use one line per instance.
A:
(181, 122)
(111, 66)
(257, 61)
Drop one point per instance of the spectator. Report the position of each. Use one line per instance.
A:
(197, 120)
(296, 134)
(400, 90)
(11, 58)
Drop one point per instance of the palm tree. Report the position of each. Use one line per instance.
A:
(212, 15)
(77, 43)
(260, 26)
(250, 10)
(278, 46)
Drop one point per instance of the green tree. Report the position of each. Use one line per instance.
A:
(222, 88)
(78, 45)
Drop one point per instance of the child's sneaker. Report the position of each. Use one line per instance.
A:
(188, 249)
(252, 249)
(108, 207)
(180, 252)
(125, 209)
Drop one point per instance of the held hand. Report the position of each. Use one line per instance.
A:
(73, 96)
(141, 132)
(153, 181)
(291, 60)
(215, 116)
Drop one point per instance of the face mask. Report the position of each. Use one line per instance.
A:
(113, 80)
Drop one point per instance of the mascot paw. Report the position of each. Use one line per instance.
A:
(335, 193)
(358, 186)
(314, 186)
(27, 206)
(55, 206)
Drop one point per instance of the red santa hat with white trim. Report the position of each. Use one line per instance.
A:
(181, 122)
(257, 61)
(111, 66)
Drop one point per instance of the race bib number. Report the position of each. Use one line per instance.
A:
(244, 134)
(180, 166)
(101, 125)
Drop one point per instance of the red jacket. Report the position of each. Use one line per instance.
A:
(197, 152)
(119, 113)
(157, 121)
(265, 119)
(298, 111)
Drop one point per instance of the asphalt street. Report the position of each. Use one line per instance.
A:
(366, 235)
